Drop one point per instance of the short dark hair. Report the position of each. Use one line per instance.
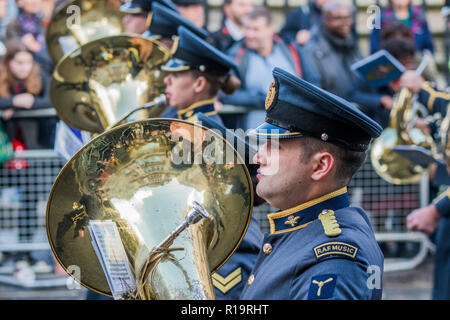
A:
(259, 12)
(396, 29)
(348, 162)
(400, 48)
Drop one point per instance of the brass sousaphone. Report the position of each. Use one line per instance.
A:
(388, 164)
(147, 177)
(76, 22)
(94, 86)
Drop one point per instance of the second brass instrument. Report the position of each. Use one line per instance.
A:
(97, 84)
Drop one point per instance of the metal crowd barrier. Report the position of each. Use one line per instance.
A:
(23, 200)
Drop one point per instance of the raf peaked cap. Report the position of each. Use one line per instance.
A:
(195, 53)
(245, 150)
(165, 22)
(296, 108)
(185, 3)
(144, 6)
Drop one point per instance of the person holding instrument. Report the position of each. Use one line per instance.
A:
(319, 247)
(436, 216)
(195, 75)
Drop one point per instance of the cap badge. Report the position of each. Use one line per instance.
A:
(270, 95)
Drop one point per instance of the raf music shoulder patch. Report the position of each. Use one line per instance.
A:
(335, 248)
(322, 286)
(225, 284)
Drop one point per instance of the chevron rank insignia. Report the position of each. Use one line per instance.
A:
(229, 282)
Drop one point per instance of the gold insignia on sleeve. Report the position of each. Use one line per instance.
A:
(270, 95)
(329, 223)
(320, 285)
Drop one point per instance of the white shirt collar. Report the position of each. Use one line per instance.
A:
(234, 30)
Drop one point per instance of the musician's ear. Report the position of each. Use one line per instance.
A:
(200, 84)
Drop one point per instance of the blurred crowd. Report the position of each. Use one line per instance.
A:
(25, 71)
(318, 42)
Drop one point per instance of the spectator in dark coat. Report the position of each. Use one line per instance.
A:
(232, 29)
(412, 16)
(300, 21)
(333, 48)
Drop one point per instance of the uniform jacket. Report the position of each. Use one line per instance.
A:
(231, 278)
(433, 99)
(205, 106)
(441, 288)
(302, 258)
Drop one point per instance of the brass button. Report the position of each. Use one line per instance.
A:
(267, 248)
(250, 279)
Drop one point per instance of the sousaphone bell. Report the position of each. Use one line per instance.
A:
(388, 164)
(94, 86)
(76, 22)
(147, 177)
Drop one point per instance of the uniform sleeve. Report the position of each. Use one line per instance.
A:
(434, 100)
(442, 204)
(333, 279)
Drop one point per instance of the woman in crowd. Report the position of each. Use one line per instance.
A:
(29, 27)
(412, 16)
(22, 86)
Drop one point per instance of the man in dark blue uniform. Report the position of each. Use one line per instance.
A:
(318, 246)
(138, 13)
(232, 277)
(188, 97)
(436, 216)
